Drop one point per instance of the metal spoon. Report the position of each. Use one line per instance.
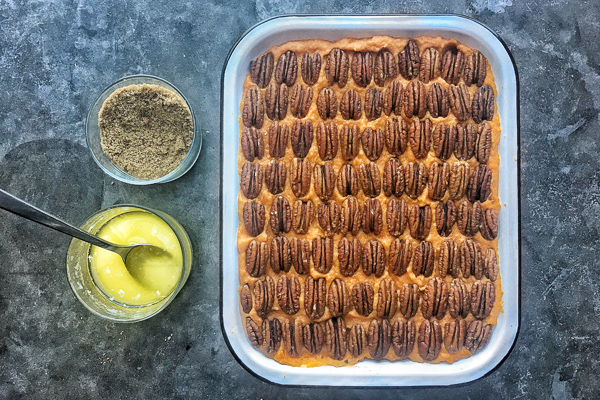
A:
(17, 206)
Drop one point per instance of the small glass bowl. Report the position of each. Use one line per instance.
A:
(92, 131)
(86, 290)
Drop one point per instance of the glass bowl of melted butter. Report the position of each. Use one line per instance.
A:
(147, 282)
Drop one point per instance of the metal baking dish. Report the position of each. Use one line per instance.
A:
(370, 373)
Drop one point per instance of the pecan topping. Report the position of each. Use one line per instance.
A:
(419, 222)
(475, 69)
(483, 104)
(327, 140)
(347, 181)
(327, 104)
(261, 69)
(465, 145)
(484, 142)
(449, 261)
(311, 68)
(329, 215)
(264, 296)
(379, 338)
(254, 333)
(468, 218)
(313, 337)
(251, 180)
(257, 257)
(315, 294)
(292, 337)
(409, 60)
(300, 101)
(276, 101)
(322, 254)
(254, 217)
(393, 96)
(385, 67)
(271, 331)
(423, 259)
(357, 340)
(430, 340)
(373, 100)
(351, 216)
(445, 217)
(281, 215)
(420, 137)
(253, 146)
(350, 105)
(275, 175)
(287, 68)
(370, 180)
(246, 299)
(324, 181)
(479, 187)
(403, 338)
(362, 68)
(415, 99)
(300, 176)
(459, 300)
(444, 140)
(409, 298)
(435, 299)
(430, 65)
(489, 224)
(278, 138)
(349, 142)
(300, 249)
(373, 258)
(372, 218)
(336, 67)
(471, 259)
(459, 177)
(477, 336)
(338, 298)
(483, 295)
(281, 254)
(453, 61)
(415, 179)
(387, 299)
(396, 217)
(302, 138)
(490, 264)
(335, 338)
(362, 298)
(288, 294)
(437, 99)
(302, 216)
(253, 112)
(455, 332)
(396, 135)
(372, 143)
(438, 180)
(349, 256)
(460, 101)
(393, 178)
(400, 256)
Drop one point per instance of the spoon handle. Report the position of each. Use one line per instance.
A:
(17, 206)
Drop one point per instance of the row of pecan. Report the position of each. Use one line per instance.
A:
(378, 338)
(367, 66)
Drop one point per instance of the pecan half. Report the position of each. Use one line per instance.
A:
(479, 187)
(420, 137)
(288, 294)
(349, 142)
(292, 337)
(310, 68)
(445, 217)
(329, 216)
(372, 143)
(281, 215)
(336, 67)
(322, 254)
(415, 99)
(278, 139)
(438, 180)
(415, 179)
(370, 180)
(300, 101)
(253, 145)
(276, 101)
(362, 68)
(338, 298)
(460, 101)
(379, 338)
(287, 68)
(275, 176)
(459, 300)
(448, 261)
(362, 298)
(393, 178)
(264, 296)
(490, 264)
(393, 95)
(271, 331)
(253, 111)
(349, 256)
(396, 216)
(466, 140)
(444, 140)
(300, 178)
(409, 299)
(396, 135)
(351, 216)
(459, 178)
(253, 216)
(372, 217)
(261, 69)
(430, 65)
(335, 338)
(453, 61)
(489, 224)
(327, 140)
(385, 67)
(254, 333)
(324, 181)
(435, 299)
(483, 104)
(468, 218)
(475, 69)
(483, 295)
(300, 249)
(302, 216)
(257, 258)
(313, 338)
(373, 100)
(373, 258)
(437, 99)
(350, 105)
(403, 338)
(471, 259)
(430, 340)
(409, 60)
(327, 104)
(315, 297)
(251, 180)
(419, 222)
(455, 332)
(387, 299)
(484, 142)
(423, 259)
(357, 340)
(400, 256)
(246, 299)
(478, 336)
(281, 254)
(302, 137)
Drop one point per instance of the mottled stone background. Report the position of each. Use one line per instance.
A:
(56, 55)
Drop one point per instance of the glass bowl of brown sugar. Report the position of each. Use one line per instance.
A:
(142, 130)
